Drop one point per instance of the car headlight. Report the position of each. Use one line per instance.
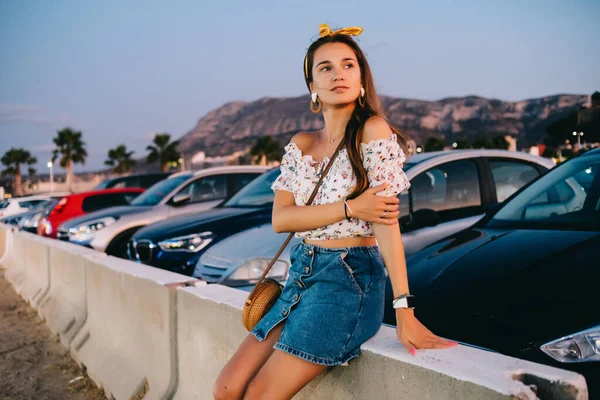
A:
(253, 269)
(46, 226)
(30, 222)
(583, 346)
(87, 231)
(190, 243)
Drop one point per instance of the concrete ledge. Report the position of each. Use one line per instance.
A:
(3, 239)
(37, 273)
(14, 260)
(128, 340)
(209, 329)
(64, 307)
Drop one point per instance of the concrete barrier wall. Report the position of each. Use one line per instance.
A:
(65, 305)
(14, 261)
(128, 340)
(139, 334)
(3, 239)
(210, 330)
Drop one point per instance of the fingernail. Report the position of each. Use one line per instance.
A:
(412, 351)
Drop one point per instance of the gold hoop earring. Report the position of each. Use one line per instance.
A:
(361, 101)
(318, 109)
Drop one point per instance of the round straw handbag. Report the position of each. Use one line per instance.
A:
(256, 306)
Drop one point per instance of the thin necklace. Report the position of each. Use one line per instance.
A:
(331, 140)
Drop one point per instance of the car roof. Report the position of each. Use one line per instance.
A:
(224, 170)
(108, 191)
(593, 152)
(449, 155)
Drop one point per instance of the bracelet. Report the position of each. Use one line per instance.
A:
(346, 208)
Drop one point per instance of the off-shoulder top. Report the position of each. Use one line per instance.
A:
(383, 160)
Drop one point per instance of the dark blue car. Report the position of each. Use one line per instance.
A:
(177, 243)
(525, 280)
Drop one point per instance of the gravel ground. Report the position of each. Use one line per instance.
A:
(33, 363)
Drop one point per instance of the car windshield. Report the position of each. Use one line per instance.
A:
(257, 193)
(567, 197)
(4, 204)
(159, 191)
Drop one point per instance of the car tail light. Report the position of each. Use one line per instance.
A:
(60, 206)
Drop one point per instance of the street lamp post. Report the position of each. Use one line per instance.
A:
(579, 135)
(51, 166)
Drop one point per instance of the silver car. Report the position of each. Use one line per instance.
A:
(449, 192)
(109, 230)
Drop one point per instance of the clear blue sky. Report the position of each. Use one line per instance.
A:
(122, 70)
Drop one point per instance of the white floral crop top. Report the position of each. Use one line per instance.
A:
(383, 159)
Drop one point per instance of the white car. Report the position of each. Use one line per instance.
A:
(108, 230)
(18, 205)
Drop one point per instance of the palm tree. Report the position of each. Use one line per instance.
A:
(71, 149)
(434, 144)
(164, 151)
(120, 159)
(13, 159)
(266, 148)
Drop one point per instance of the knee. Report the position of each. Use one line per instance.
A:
(226, 390)
(254, 390)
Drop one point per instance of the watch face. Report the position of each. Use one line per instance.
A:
(410, 301)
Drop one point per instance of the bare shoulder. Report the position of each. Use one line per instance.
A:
(376, 128)
(303, 140)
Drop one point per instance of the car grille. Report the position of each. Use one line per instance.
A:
(210, 273)
(142, 250)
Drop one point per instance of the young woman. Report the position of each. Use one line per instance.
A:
(333, 300)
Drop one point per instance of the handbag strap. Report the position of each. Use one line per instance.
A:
(291, 235)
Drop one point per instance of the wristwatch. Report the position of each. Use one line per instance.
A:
(404, 301)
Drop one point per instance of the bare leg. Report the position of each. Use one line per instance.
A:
(245, 363)
(282, 376)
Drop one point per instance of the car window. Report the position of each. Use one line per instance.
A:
(257, 193)
(3, 205)
(450, 186)
(208, 188)
(558, 199)
(101, 201)
(510, 176)
(30, 203)
(238, 181)
(160, 190)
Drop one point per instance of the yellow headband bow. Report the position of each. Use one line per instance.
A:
(325, 30)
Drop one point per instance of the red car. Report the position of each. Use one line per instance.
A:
(79, 204)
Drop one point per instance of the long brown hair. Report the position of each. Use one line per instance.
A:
(372, 107)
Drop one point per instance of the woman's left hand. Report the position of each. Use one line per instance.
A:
(414, 335)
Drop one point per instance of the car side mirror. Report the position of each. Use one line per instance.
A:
(180, 199)
(420, 219)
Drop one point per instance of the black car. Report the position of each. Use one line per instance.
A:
(176, 243)
(143, 181)
(525, 280)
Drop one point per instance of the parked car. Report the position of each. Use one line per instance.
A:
(18, 205)
(16, 218)
(75, 205)
(181, 193)
(449, 191)
(143, 181)
(523, 281)
(30, 220)
(176, 243)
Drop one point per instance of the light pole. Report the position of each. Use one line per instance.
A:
(51, 166)
(579, 135)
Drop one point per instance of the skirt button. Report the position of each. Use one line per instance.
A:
(310, 252)
(296, 297)
(285, 312)
(307, 270)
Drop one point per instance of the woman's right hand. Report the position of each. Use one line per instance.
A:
(370, 207)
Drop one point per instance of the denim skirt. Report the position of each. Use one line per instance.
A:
(332, 303)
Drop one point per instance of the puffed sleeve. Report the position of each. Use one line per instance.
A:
(383, 159)
(289, 170)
